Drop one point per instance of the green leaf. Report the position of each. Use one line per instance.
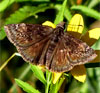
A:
(97, 70)
(22, 14)
(25, 12)
(38, 73)
(93, 3)
(4, 4)
(87, 11)
(92, 80)
(2, 34)
(96, 46)
(60, 15)
(74, 86)
(84, 88)
(32, 0)
(67, 13)
(26, 87)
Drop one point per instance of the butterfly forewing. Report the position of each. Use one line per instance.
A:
(79, 51)
(27, 34)
(29, 39)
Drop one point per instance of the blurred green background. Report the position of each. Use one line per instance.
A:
(37, 12)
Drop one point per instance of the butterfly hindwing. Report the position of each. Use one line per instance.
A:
(53, 45)
(34, 52)
(60, 61)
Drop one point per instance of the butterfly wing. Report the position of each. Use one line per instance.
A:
(60, 61)
(38, 45)
(29, 39)
(71, 52)
(27, 34)
(33, 52)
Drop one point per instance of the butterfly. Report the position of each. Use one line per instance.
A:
(56, 49)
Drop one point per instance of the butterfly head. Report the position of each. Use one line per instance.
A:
(61, 25)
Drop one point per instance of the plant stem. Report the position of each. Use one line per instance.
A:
(60, 83)
(6, 62)
(48, 81)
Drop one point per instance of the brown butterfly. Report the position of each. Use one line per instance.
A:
(57, 50)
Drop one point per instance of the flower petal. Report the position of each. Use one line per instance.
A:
(91, 35)
(48, 23)
(94, 33)
(56, 76)
(76, 24)
(41, 66)
(79, 73)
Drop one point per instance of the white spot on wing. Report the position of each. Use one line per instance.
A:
(16, 26)
(61, 50)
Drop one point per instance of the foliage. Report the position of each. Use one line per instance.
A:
(59, 16)
(38, 73)
(96, 46)
(87, 11)
(37, 11)
(26, 86)
(22, 14)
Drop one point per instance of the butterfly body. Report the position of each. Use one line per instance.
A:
(57, 50)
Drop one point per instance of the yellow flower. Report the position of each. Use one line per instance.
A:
(75, 27)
